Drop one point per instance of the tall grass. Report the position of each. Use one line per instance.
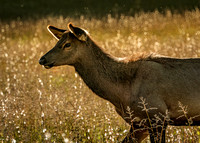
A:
(39, 105)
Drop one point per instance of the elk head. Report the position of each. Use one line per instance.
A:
(69, 48)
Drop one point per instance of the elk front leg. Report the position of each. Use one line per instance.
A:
(136, 136)
(157, 135)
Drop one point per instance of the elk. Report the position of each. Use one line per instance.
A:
(164, 83)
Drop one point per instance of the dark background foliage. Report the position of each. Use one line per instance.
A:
(13, 9)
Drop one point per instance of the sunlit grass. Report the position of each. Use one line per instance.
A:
(38, 105)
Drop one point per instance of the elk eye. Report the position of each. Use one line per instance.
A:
(67, 45)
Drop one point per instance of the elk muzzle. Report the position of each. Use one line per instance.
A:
(43, 62)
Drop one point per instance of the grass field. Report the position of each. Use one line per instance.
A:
(39, 105)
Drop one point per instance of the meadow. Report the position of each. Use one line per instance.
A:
(40, 105)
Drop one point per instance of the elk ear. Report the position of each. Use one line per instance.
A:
(56, 32)
(81, 34)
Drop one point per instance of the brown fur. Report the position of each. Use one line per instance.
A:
(161, 81)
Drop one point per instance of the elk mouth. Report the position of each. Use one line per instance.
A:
(49, 66)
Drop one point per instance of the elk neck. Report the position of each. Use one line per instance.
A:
(106, 76)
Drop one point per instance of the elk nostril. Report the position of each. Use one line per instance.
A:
(42, 61)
